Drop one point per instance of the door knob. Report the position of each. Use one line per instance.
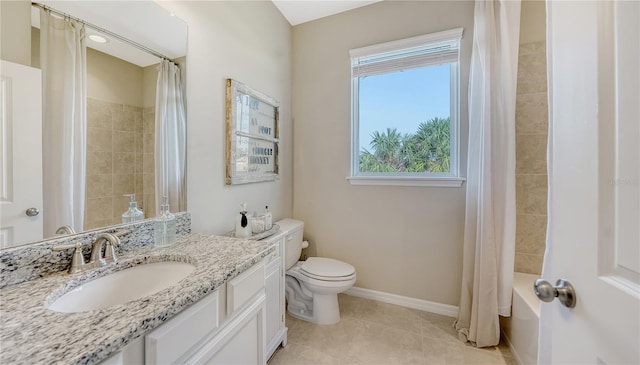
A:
(32, 212)
(563, 290)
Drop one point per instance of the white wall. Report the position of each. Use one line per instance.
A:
(402, 240)
(249, 42)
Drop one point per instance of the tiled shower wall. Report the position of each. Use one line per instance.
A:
(119, 160)
(531, 154)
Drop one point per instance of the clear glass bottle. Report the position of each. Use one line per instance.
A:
(133, 214)
(165, 226)
(268, 219)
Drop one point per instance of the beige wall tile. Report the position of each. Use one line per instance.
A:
(531, 233)
(532, 48)
(137, 123)
(139, 142)
(148, 122)
(120, 205)
(531, 194)
(99, 114)
(126, 120)
(123, 184)
(531, 154)
(148, 163)
(150, 205)
(139, 163)
(99, 209)
(148, 181)
(123, 141)
(99, 139)
(148, 142)
(532, 113)
(97, 223)
(124, 162)
(532, 76)
(530, 264)
(99, 186)
(138, 185)
(99, 163)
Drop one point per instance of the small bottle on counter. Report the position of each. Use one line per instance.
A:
(268, 219)
(243, 226)
(133, 214)
(165, 226)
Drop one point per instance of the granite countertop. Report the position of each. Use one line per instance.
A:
(32, 334)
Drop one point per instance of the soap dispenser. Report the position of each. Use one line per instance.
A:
(243, 226)
(165, 226)
(268, 219)
(133, 214)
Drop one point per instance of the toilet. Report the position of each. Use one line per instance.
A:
(312, 286)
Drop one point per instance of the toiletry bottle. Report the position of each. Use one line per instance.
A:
(133, 214)
(243, 226)
(268, 219)
(165, 226)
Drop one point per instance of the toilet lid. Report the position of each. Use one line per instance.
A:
(325, 267)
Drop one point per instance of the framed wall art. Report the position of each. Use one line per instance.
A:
(252, 135)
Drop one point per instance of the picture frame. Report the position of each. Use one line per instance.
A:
(252, 135)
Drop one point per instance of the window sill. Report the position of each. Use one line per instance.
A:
(440, 182)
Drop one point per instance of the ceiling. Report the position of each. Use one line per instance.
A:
(149, 24)
(144, 22)
(302, 11)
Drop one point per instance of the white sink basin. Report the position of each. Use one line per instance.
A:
(122, 286)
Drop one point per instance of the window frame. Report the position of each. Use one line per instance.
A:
(437, 179)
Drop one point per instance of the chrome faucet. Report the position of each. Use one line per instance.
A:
(65, 230)
(97, 259)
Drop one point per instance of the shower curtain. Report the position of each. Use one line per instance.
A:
(489, 236)
(170, 139)
(64, 123)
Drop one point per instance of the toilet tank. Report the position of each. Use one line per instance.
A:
(293, 240)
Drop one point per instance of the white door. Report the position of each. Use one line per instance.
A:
(594, 189)
(20, 154)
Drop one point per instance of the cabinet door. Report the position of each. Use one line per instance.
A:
(273, 312)
(242, 341)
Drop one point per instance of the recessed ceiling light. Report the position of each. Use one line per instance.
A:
(98, 39)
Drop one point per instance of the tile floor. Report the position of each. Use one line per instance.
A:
(372, 332)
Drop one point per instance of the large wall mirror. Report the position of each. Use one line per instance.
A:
(120, 102)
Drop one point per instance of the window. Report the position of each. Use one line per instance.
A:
(405, 112)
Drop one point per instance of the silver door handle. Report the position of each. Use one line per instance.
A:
(32, 212)
(563, 290)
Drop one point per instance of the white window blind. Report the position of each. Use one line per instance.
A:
(430, 50)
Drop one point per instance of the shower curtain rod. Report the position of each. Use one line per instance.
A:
(102, 30)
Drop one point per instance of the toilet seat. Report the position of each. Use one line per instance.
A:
(326, 269)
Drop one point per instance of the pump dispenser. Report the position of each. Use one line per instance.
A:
(133, 214)
(268, 218)
(243, 225)
(165, 226)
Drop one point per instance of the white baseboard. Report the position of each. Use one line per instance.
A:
(425, 305)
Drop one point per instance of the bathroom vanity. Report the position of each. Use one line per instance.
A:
(215, 314)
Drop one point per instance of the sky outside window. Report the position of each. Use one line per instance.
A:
(403, 100)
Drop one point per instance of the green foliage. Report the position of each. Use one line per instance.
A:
(426, 150)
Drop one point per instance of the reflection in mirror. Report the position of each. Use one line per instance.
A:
(120, 106)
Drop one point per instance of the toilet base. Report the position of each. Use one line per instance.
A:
(325, 310)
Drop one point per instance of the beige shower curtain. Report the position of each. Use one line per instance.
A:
(489, 237)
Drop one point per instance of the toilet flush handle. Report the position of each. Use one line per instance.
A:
(305, 244)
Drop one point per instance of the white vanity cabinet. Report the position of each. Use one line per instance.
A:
(225, 327)
(276, 331)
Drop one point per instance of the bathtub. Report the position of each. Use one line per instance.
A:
(520, 331)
